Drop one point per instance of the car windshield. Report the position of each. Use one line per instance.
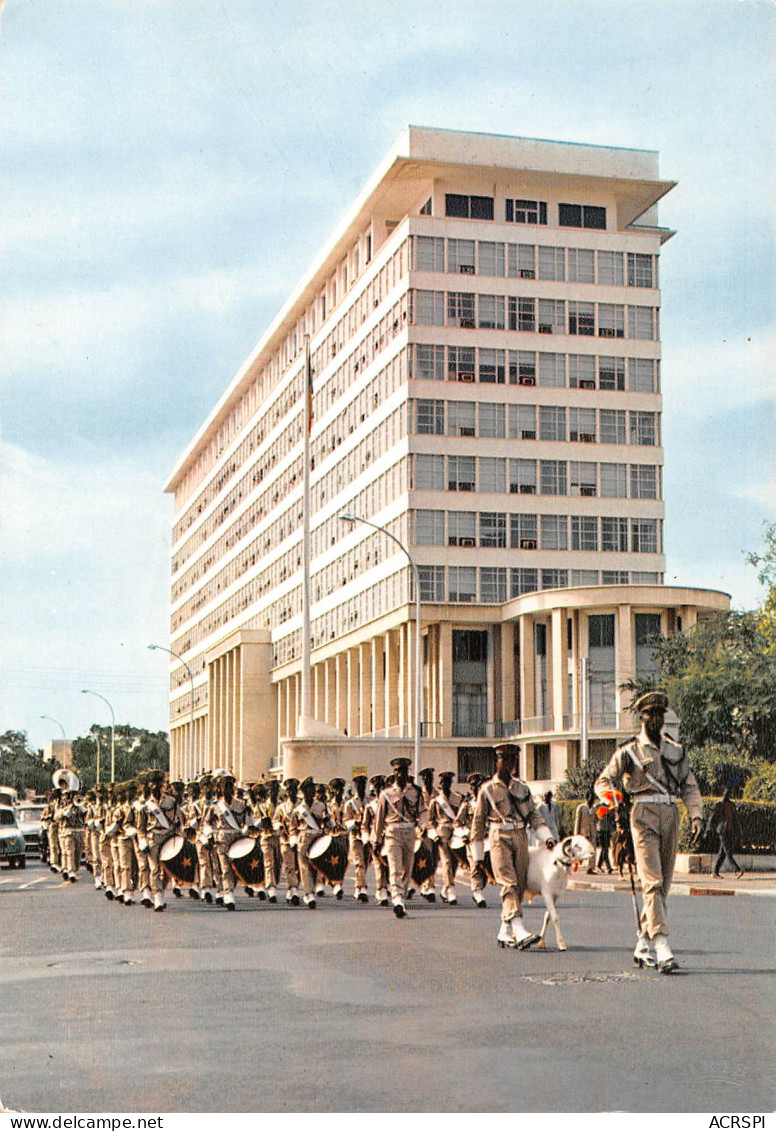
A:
(29, 814)
(7, 817)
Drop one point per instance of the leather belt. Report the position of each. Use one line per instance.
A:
(653, 798)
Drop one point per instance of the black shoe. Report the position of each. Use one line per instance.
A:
(250, 893)
(382, 903)
(523, 944)
(193, 894)
(398, 911)
(272, 898)
(294, 901)
(109, 895)
(73, 879)
(261, 894)
(208, 897)
(430, 897)
(161, 907)
(410, 894)
(230, 907)
(363, 897)
(311, 905)
(669, 966)
(220, 900)
(147, 902)
(339, 894)
(177, 893)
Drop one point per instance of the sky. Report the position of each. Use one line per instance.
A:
(169, 168)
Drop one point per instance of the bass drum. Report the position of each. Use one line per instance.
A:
(178, 857)
(329, 856)
(246, 858)
(458, 842)
(425, 863)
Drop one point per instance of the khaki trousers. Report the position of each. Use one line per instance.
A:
(509, 860)
(447, 861)
(126, 857)
(269, 853)
(221, 851)
(477, 877)
(655, 830)
(381, 871)
(307, 873)
(54, 847)
(290, 861)
(70, 841)
(357, 859)
(156, 874)
(400, 850)
(204, 866)
(106, 862)
(143, 871)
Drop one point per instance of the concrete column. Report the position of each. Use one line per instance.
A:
(409, 683)
(403, 715)
(391, 680)
(352, 682)
(624, 655)
(558, 666)
(330, 681)
(507, 671)
(341, 683)
(378, 683)
(527, 696)
(365, 695)
(445, 667)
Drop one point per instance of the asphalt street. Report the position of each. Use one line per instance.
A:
(107, 1008)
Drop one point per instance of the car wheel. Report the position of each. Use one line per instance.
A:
(22, 862)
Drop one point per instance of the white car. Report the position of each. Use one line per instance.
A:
(12, 846)
(28, 818)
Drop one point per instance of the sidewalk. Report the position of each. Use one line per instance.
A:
(684, 883)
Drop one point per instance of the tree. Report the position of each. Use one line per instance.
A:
(136, 749)
(21, 767)
(766, 564)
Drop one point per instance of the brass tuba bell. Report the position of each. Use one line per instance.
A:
(65, 780)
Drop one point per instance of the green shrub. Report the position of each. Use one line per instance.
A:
(579, 780)
(762, 785)
(757, 822)
(717, 767)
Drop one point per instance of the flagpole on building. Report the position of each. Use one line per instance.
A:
(305, 707)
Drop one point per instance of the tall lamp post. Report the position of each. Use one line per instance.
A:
(86, 691)
(161, 648)
(52, 720)
(352, 519)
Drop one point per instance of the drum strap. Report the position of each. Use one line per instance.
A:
(227, 814)
(444, 805)
(309, 818)
(156, 811)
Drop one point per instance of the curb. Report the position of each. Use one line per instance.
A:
(676, 889)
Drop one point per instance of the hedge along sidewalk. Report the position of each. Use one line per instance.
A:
(684, 883)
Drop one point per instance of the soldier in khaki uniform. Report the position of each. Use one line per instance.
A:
(160, 821)
(126, 830)
(226, 816)
(195, 829)
(288, 852)
(105, 811)
(505, 807)
(269, 839)
(377, 783)
(309, 819)
(352, 818)
(71, 823)
(48, 819)
(654, 771)
(400, 812)
(442, 814)
(426, 781)
(463, 822)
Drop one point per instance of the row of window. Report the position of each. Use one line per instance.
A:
(518, 210)
(534, 422)
(532, 261)
(499, 530)
(466, 364)
(497, 475)
(466, 310)
(496, 584)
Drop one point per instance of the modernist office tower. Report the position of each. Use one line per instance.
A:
(485, 341)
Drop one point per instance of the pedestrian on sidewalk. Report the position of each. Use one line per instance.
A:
(724, 822)
(585, 825)
(604, 830)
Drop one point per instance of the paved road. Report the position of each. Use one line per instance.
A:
(346, 1008)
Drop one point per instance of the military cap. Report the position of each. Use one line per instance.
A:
(448, 775)
(336, 781)
(377, 779)
(508, 748)
(360, 777)
(650, 700)
(474, 778)
(290, 781)
(401, 761)
(155, 777)
(308, 781)
(426, 772)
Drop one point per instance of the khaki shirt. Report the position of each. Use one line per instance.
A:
(397, 806)
(314, 818)
(353, 814)
(438, 815)
(152, 823)
(498, 805)
(667, 765)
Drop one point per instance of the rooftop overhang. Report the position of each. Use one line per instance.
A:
(596, 597)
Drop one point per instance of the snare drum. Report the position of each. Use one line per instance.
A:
(425, 863)
(329, 856)
(246, 858)
(178, 857)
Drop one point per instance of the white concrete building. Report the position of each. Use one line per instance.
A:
(485, 343)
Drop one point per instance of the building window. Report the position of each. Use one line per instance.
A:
(432, 583)
(523, 532)
(614, 480)
(427, 308)
(552, 422)
(554, 532)
(468, 207)
(523, 581)
(642, 428)
(526, 211)
(462, 528)
(612, 426)
(429, 528)
(461, 475)
(522, 476)
(615, 576)
(426, 209)
(427, 363)
(490, 310)
(555, 578)
(641, 375)
(492, 420)
(581, 216)
(582, 318)
(470, 682)
(584, 532)
(460, 363)
(522, 314)
(644, 535)
(429, 472)
(640, 270)
(552, 263)
(647, 628)
(643, 479)
(581, 371)
(462, 584)
(639, 577)
(491, 366)
(581, 265)
(460, 309)
(522, 422)
(642, 322)
(611, 321)
(460, 257)
(553, 476)
(552, 316)
(610, 270)
(493, 584)
(583, 577)
(493, 529)
(583, 479)
(522, 367)
(614, 535)
(611, 373)
(429, 253)
(430, 418)
(461, 417)
(490, 258)
(476, 760)
(522, 261)
(493, 475)
(582, 425)
(552, 370)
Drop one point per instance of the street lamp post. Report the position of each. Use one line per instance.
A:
(86, 691)
(352, 519)
(52, 720)
(161, 648)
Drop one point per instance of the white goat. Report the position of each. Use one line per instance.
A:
(548, 876)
